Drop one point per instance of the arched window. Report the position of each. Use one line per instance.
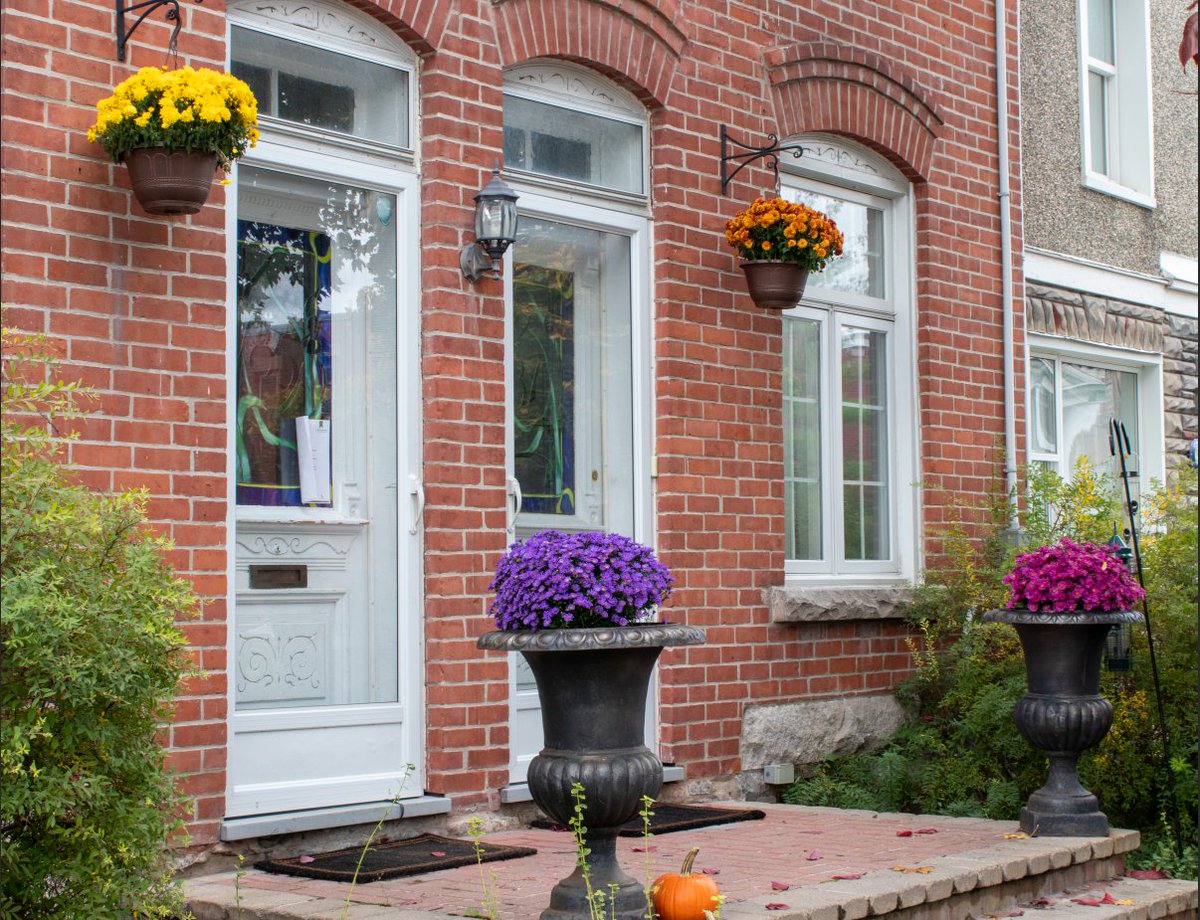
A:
(850, 425)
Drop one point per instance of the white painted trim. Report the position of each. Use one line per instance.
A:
(1076, 274)
(1149, 369)
(401, 181)
(315, 819)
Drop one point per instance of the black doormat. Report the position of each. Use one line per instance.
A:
(670, 818)
(426, 853)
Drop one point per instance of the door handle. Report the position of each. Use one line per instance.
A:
(512, 507)
(417, 492)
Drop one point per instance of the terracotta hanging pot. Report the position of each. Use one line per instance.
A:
(169, 181)
(775, 285)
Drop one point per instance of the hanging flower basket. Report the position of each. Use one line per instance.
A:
(775, 285)
(171, 181)
(778, 243)
(173, 129)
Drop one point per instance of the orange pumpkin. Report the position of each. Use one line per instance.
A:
(684, 896)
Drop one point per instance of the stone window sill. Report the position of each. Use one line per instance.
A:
(798, 604)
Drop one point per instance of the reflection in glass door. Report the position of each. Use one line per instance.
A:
(315, 660)
(572, 416)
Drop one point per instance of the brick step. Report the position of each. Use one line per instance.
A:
(1147, 899)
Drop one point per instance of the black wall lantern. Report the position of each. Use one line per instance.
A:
(495, 228)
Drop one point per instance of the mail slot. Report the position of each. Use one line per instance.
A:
(278, 576)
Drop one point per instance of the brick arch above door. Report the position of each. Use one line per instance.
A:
(820, 86)
(636, 44)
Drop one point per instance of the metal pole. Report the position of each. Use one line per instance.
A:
(1118, 444)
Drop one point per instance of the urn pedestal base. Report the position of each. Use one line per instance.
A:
(592, 684)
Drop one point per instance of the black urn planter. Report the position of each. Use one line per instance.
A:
(592, 684)
(1063, 713)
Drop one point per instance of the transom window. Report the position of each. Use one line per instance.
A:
(847, 376)
(344, 77)
(566, 123)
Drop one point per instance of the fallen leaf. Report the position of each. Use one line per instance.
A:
(1015, 913)
(436, 853)
(1123, 901)
(776, 905)
(650, 849)
(812, 856)
(848, 875)
(1040, 902)
(926, 830)
(709, 870)
(780, 886)
(1089, 902)
(1147, 873)
(904, 833)
(1019, 835)
(923, 870)
(305, 859)
(1107, 899)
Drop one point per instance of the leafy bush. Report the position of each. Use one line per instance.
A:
(90, 658)
(959, 752)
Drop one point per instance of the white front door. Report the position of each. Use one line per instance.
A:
(578, 373)
(324, 661)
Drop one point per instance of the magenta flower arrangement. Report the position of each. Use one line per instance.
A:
(557, 580)
(1071, 577)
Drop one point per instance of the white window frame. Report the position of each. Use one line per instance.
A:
(1130, 135)
(1151, 446)
(342, 29)
(830, 166)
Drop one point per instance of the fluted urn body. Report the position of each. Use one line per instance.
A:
(592, 684)
(1063, 713)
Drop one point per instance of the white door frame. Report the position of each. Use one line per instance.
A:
(295, 156)
(582, 212)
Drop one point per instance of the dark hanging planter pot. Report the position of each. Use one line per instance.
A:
(167, 181)
(775, 285)
(592, 684)
(1063, 713)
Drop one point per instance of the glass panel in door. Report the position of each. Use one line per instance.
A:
(315, 661)
(572, 413)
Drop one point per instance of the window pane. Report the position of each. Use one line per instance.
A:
(572, 376)
(324, 89)
(864, 444)
(860, 268)
(1100, 30)
(1091, 396)
(560, 142)
(1098, 121)
(1043, 428)
(802, 438)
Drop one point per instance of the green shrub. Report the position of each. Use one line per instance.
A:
(90, 658)
(959, 752)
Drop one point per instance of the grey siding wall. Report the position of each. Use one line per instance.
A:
(1060, 214)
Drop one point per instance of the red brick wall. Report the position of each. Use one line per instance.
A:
(137, 306)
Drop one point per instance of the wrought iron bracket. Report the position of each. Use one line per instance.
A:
(749, 154)
(147, 7)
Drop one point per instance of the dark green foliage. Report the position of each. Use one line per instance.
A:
(959, 752)
(90, 658)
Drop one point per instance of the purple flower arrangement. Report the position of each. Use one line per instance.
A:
(1072, 577)
(557, 580)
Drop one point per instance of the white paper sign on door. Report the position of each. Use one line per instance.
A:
(312, 449)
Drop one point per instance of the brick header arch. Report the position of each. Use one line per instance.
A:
(636, 42)
(820, 86)
(420, 23)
